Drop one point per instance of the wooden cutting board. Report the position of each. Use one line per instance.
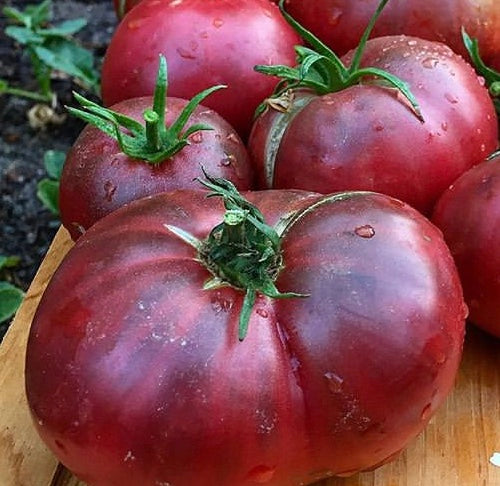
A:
(454, 450)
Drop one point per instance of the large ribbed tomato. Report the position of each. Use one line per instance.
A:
(206, 42)
(468, 213)
(135, 374)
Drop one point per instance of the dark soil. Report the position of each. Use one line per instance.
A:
(27, 228)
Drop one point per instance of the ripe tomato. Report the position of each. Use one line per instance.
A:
(206, 42)
(123, 6)
(98, 177)
(137, 377)
(340, 23)
(468, 214)
(366, 136)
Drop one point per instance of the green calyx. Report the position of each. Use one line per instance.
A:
(491, 77)
(321, 70)
(153, 141)
(242, 251)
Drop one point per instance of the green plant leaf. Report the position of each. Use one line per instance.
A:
(10, 300)
(66, 28)
(16, 15)
(53, 161)
(64, 55)
(9, 261)
(48, 193)
(39, 14)
(23, 35)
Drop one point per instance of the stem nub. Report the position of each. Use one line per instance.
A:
(321, 70)
(242, 251)
(153, 141)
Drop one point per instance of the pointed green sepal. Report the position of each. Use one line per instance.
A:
(151, 141)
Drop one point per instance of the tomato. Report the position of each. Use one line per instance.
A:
(108, 167)
(340, 23)
(367, 137)
(206, 42)
(135, 375)
(468, 213)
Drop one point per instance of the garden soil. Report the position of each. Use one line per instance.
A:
(26, 226)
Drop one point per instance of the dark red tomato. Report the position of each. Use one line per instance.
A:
(340, 23)
(135, 375)
(367, 137)
(206, 42)
(123, 6)
(98, 177)
(468, 213)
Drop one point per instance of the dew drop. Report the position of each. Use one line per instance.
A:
(481, 80)
(444, 126)
(483, 147)
(185, 54)
(60, 445)
(136, 23)
(365, 231)
(261, 474)
(335, 16)
(451, 98)
(228, 160)
(412, 42)
(197, 137)
(109, 190)
(217, 23)
(426, 412)
(232, 137)
(378, 128)
(335, 382)
(262, 313)
(219, 304)
(204, 34)
(430, 62)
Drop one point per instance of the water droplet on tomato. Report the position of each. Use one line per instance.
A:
(412, 42)
(335, 382)
(444, 126)
(365, 231)
(451, 98)
(261, 474)
(217, 23)
(204, 34)
(197, 137)
(481, 80)
(60, 445)
(335, 15)
(426, 412)
(136, 23)
(185, 54)
(109, 190)
(262, 313)
(220, 304)
(232, 137)
(378, 128)
(228, 160)
(430, 62)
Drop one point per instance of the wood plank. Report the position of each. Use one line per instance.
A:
(454, 450)
(24, 460)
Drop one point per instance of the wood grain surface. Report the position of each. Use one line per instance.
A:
(454, 450)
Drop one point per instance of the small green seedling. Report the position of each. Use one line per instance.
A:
(48, 188)
(50, 48)
(10, 295)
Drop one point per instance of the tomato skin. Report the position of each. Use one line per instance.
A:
(340, 23)
(146, 382)
(99, 178)
(367, 138)
(205, 42)
(468, 214)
